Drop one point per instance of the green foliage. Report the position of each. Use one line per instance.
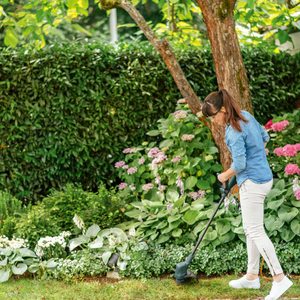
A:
(67, 110)
(162, 178)
(55, 212)
(78, 264)
(34, 22)
(257, 17)
(155, 260)
(9, 206)
(10, 210)
(35, 224)
(271, 94)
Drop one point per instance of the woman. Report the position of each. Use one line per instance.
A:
(246, 140)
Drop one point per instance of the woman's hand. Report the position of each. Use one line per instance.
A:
(222, 177)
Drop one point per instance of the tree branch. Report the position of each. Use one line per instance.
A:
(290, 4)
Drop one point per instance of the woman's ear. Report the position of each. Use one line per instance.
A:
(223, 109)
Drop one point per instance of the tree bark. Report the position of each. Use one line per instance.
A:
(230, 70)
(228, 61)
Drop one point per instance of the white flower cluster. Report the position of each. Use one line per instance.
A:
(229, 200)
(78, 222)
(49, 241)
(14, 243)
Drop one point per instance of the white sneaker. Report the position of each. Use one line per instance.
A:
(278, 288)
(244, 283)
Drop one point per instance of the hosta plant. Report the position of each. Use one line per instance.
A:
(282, 216)
(16, 259)
(111, 243)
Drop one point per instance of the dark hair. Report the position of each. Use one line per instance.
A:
(214, 102)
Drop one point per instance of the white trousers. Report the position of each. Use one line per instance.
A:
(252, 196)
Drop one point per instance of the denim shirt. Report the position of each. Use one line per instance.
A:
(249, 159)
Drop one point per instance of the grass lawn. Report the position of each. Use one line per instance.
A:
(166, 288)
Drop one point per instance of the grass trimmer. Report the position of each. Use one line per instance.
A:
(182, 274)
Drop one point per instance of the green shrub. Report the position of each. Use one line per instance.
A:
(10, 210)
(35, 224)
(9, 205)
(55, 212)
(68, 109)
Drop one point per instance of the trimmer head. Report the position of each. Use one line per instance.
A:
(182, 274)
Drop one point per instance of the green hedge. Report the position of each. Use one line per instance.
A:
(68, 111)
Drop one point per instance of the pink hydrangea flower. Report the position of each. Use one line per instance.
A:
(269, 124)
(288, 150)
(278, 151)
(292, 169)
(296, 188)
(141, 160)
(162, 188)
(147, 187)
(279, 126)
(132, 170)
(157, 180)
(122, 185)
(119, 164)
(187, 137)
(297, 194)
(159, 158)
(176, 159)
(129, 150)
(193, 195)
(197, 195)
(125, 167)
(297, 147)
(180, 114)
(153, 152)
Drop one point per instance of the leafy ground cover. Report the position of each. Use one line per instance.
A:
(163, 288)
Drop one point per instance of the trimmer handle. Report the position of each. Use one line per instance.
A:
(228, 185)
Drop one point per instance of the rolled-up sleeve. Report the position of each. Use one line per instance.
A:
(238, 152)
(264, 134)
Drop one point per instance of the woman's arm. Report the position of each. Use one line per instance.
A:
(223, 177)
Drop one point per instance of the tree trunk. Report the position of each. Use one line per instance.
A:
(228, 61)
